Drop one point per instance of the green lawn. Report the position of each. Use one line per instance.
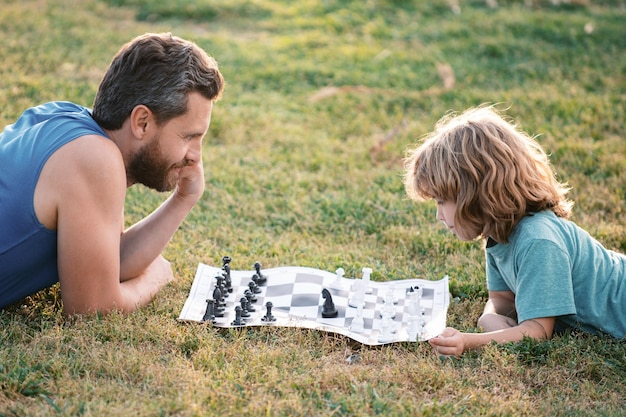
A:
(303, 165)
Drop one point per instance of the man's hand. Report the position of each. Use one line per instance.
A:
(191, 181)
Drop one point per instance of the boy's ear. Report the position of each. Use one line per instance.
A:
(141, 120)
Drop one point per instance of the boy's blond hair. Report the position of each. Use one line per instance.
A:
(494, 172)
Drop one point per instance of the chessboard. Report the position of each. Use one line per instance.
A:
(370, 312)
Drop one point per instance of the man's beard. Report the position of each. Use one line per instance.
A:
(148, 167)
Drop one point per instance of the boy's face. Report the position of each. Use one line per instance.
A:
(445, 213)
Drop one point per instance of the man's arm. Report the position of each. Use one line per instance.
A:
(146, 239)
(89, 187)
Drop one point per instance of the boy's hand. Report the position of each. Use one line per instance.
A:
(449, 343)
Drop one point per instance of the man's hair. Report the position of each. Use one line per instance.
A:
(158, 71)
(494, 172)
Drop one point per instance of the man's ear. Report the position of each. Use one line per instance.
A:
(141, 120)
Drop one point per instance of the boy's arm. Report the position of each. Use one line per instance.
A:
(452, 342)
(499, 321)
(499, 312)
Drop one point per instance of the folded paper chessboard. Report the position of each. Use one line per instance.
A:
(370, 312)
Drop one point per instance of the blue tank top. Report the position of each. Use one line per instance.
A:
(28, 251)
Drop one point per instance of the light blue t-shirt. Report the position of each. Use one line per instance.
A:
(28, 251)
(556, 269)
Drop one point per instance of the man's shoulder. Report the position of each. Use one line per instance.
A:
(90, 153)
(88, 162)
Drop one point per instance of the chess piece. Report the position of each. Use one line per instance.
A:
(328, 310)
(219, 305)
(366, 280)
(357, 297)
(358, 323)
(250, 296)
(228, 283)
(209, 314)
(413, 328)
(415, 299)
(386, 330)
(220, 282)
(219, 299)
(243, 303)
(261, 279)
(254, 288)
(238, 320)
(268, 317)
(249, 305)
(338, 283)
(392, 291)
(388, 310)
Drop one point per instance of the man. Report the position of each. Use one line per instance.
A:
(65, 170)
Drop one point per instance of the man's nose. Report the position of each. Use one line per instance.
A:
(194, 154)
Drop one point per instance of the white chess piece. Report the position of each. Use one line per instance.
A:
(388, 309)
(386, 330)
(415, 300)
(413, 328)
(392, 289)
(357, 298)
(366, 279)
(418, 300)
(338, 283)
(358, 322)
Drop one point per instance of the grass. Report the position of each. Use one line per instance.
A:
(304, 165)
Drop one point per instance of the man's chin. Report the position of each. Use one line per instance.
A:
(166, 183)
(165, 186)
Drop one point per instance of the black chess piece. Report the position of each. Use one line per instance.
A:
(244, 311)
(238, 320)
(218, 297)
(222, 286)
(250, 296)
(268, 317)
(219, 306)
(254, 288)
(249, 305)
(261, 279)
(228, 283)
(209, 314)
(328, 310)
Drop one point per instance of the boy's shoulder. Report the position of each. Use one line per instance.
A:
(543, 225)
(546, 228)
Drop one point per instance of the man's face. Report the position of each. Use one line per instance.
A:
(173, 146)
(150, 167)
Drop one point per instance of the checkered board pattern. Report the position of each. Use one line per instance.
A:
(296, 295)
